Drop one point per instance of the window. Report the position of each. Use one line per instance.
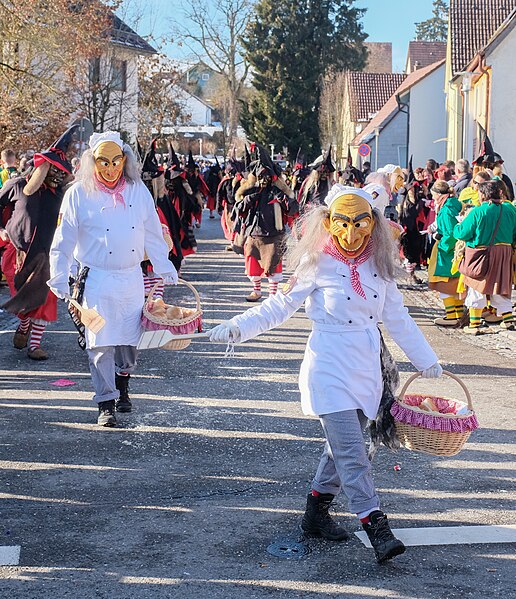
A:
(205, 76)
(119, 75)
(94, 71)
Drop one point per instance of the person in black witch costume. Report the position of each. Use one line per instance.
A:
(264, 201)
(351, 176)
(412, 218)
(226, 197)
(489, 159)
(299, 173)
(35, 202)
(212, 177)
(315, 188)
(200, 190)
(153, 176)
(181, 200)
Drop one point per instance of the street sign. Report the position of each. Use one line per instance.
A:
(364, 150)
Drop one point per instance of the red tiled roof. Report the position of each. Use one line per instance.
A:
(390, 108)
(421, 54)
(368, 92)
(472, 24)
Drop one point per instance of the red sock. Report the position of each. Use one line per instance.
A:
(365, 520)
(315, 493)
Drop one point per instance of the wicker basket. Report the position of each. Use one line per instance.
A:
(446, 442)
(177, 326)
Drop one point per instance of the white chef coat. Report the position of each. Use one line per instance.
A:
(341, 366)
(112, 241)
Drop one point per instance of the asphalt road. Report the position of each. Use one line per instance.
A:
(213, 466)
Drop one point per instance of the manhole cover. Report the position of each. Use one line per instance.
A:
(287, 548)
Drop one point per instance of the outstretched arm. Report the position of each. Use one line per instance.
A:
(273, 312)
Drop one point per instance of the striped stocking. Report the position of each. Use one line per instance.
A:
(24, 325)
(149, 283)
(35, 335)
(273, 287)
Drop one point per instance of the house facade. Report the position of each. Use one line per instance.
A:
(472, 24)
(409, 123)
(110, 90)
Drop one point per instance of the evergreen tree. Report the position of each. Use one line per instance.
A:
(436, 28)
(291, 46)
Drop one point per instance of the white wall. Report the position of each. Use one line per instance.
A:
(199, 112)
(428, 118)
(502, 121)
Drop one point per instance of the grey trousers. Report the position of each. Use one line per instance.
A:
(344, 463)
(104, 363)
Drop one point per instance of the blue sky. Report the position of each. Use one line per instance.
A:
(393, 21)
(385, 21)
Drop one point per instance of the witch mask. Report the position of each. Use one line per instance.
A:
(109, 162)
(350, 224)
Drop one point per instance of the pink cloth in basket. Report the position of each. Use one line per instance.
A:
(183, 329)
(446, 424)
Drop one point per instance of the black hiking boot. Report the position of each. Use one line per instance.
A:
(318, 522)
(123, 403)
(107, 413)
(385, 544)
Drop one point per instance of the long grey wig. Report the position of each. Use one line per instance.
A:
(309, 238)
(86, 172)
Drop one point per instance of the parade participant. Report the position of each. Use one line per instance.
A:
(488, 159)
(264, 201)
(492, 223)
(299, 173)
(180, 197)
(344, 267)
(212, 177)
(316, 186)
(412, 219)
(35, 202)
(440, 276)
(153, 175)
(108, 223)
(226, 198)
(469, 195)
(199, 188)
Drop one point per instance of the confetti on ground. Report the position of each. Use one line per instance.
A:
(63, 383)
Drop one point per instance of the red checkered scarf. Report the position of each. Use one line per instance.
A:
(331, 250)
(115, 192)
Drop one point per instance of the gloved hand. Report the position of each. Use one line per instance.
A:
(222, 332)
(434, 372)
(170, 278)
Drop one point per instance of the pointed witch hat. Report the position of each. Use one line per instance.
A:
(174, 165)
(150, 162)
(487, 153)
(411, 175)
(56, 156)
(191, 165)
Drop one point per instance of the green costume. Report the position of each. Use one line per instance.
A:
(487, 215)
(446, 221)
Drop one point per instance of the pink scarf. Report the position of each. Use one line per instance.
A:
(355, 275)
(115, 192)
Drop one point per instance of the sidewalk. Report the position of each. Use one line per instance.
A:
(214, 464)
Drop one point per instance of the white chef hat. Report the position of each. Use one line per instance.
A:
(99, 138)
(388, 169)
(339, 190)
(379, 195)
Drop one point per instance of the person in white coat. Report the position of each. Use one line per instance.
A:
(108, 223)
(344, 268)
